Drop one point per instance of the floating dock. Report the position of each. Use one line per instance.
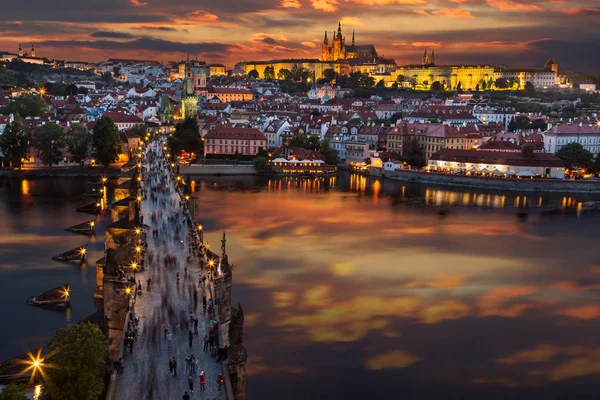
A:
(76, 254)
(58, 298)
(85, 228)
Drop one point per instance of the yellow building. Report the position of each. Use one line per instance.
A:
(310, 64)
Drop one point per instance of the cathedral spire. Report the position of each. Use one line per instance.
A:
(339, 30)
(325, 40)
(333, 35)
(425, 58)
(432, 59)
(352, 40)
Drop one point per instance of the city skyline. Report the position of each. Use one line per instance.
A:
(512, 32)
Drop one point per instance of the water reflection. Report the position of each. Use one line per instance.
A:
(356, 282)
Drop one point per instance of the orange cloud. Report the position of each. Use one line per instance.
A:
(588, 364)
(393, 360)
(420, 12)
(579, 11)
(445, 311)
(452, 13)
(438, 282)
(539, 354)
(426, 44)
(589, 311)
(505, 302)
(201, 15)
(351, 21)
(290, 4)
(325, 5)
(309, 44)
(138, 3)
(509, 5)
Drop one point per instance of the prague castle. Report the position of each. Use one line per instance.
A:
(345, 59)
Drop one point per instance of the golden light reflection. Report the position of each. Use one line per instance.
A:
(25, 187)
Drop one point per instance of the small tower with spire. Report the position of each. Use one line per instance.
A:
(20, 50)
(32, 50)
(353, 43)
(325, 56)
(432, 58)
(425, 58)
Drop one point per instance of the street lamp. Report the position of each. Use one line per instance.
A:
(104, 179)
(201, 232)
(134, 268)
(138, 250)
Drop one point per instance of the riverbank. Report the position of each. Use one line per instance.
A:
(110, 172)
(525, 185)
(219, 169)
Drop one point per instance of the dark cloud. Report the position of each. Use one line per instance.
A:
(112, 35)
(157, 28)
(147, 44)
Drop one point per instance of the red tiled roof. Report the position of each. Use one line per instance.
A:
(229, 132)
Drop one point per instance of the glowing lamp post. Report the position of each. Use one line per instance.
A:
(134, 268)
(201, 233)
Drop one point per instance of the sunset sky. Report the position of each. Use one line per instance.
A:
(512, 32)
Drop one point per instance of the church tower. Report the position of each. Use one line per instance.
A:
(32, 51)
(20, 50)
(432, 58)
(425, 58)
(189, 100)
(325, 55)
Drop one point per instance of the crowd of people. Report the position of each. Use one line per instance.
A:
(175, 259)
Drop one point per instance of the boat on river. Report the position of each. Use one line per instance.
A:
(58, 298)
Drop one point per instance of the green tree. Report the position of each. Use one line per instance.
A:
(483, 85)
(330, 75)
(412, 153)
(296, 73)
(436, 86)
(269, 72)
(186, 137)
(79, 141)
(573, 154)
(14, 391)
(400, 79)
(331, 154)
(459, 87)
(78, 354)
(27, 105)
(284, 74)
(253, 74)
(106, 141)
(501, 83)
(106, 77)
(413, 82)
(48, 140)
(312, 142)
(380, 84)
(14, 143)
(260, 163)
(529, 87)
(116, 71)
(297, 140)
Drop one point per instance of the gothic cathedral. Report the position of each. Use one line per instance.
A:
(339, 51)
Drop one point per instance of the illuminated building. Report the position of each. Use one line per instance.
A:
(338, 49)
(189, 99)
(232, 140)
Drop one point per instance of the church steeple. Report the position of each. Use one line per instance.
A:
(425, 58)
(333, 35)
(432, 59)
(339, 30)
(20, 50)
(352, 40)
(325, 41)
(32, 50)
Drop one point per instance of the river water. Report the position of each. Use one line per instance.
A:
(356, 288)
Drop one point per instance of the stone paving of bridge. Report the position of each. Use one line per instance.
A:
(146, 372)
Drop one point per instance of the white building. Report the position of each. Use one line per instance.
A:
(487, 115)
(586, 134)
(357, 151)
(588, 87)
(497, 163)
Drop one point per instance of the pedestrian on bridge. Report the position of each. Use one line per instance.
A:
(202, 381)
(190, 337)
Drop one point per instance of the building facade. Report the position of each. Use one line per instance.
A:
(587, 135)
(228, 140)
